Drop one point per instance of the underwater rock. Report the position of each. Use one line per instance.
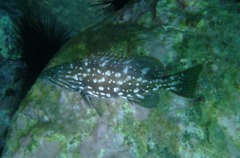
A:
(6, 36)
(9, 89)
(53, 122)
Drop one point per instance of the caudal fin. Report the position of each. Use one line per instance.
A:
(186, 81)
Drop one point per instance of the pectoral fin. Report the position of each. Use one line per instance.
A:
(93, 101)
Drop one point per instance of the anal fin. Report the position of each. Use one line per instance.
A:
(148, 100)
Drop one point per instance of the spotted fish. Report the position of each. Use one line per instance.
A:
(138, 79)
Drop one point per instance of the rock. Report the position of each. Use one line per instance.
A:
(52, 122)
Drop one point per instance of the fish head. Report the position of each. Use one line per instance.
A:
(63, 76)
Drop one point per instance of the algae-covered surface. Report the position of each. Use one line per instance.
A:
(53, 122)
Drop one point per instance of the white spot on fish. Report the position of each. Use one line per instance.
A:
(136, 90)
(68, 76)
(108, 95)
(88, 70)
(127, 62)
(129, 78)
(129, 95)
(139, 79)
(140, 96)
(86, 63)
(99, 71)
(84, 75)
(145, 70)
(81, 88)
(120, 93)
(119, 82)
(104, 63)
(88, 87)
(168, 89)
(101, 80)
(75, 77)
(125, 70)
(91, 93)
(159, 86)
(117, 74)
(108, 73)
(94, 80)
(172, 78)
(102, 93)
(101, 88)
(144, 81)
(115, 89)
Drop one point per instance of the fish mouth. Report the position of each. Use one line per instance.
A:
(46, 78)
(49, 77)
(44, 74)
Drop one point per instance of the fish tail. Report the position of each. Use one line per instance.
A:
(184, 83)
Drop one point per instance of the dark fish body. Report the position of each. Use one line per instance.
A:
(137, 79)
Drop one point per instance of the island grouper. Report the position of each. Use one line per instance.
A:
(138, 79)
